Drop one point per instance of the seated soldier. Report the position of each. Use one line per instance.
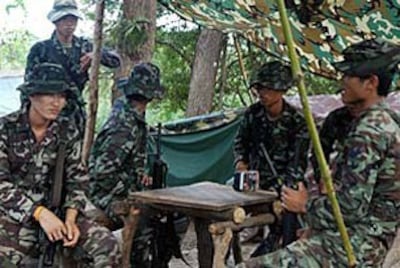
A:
(29, 144)
(272, 138)
(367, 173)
(118, 157)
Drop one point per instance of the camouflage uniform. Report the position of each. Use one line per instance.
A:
(52, 50)
(332, 134)
(118, 157)
(280, 136)
(26, 170)
(367, 178)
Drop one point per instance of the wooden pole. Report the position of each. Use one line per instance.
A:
(297, 73)
(94, 82)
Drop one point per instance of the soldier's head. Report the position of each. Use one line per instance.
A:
(368, 68)
(47, 89)
(271, 81)
(143, 84)
(64, 15)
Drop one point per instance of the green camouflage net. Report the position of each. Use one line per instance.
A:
(321, 29)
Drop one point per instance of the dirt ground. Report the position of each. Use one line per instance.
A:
(189, 250)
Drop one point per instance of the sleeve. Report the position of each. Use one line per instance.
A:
(76, 178)
(364, 150)
(327, 138)
(33, 58)
(13, 201)
(298, 152)
(112, 148)
(242, 140)
(109, 58)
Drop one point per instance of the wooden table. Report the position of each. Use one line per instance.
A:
(219, 207)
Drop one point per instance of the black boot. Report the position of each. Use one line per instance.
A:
(268, 245)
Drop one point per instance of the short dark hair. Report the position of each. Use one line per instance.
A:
(137, 97)
(385, 81)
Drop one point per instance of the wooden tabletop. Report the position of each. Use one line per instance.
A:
(204, 195)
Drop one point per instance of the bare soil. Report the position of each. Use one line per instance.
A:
(189, 250)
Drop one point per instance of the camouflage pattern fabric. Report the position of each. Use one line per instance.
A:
(144, 81)
(116, 165)
(367, 189)
(118, 156)
(62, 8)
(26, 170)
(321, 29)
(46, 51)
(273, 75)
(332, 135)
(279, 137)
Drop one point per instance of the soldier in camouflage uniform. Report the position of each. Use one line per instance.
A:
(72, 52)
(29, 141)
(367, 174)
(280, 127)
(119, 155)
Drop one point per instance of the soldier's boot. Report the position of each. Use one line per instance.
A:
(268, 245)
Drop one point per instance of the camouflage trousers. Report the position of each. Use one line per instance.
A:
(324, 250)
(18, 242)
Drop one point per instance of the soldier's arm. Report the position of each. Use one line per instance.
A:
(14, 202)
(109, 57)
(298, 152)
(112, 147)
(76, 179)
(366, 147)
(241, 143)
(34, 57)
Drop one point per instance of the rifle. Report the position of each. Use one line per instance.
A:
(160, 168)
(289, 219)
(166, 237)
(47, 248)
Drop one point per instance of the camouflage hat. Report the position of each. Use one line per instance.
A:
(273, 75)
(62, 8)
(144, 81)
(46, 78)
(368, 57)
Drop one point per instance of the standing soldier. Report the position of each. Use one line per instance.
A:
(367, 173)
(72, 52)
(29, 143)
(118, 157)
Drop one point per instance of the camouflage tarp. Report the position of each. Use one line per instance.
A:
(321, 31)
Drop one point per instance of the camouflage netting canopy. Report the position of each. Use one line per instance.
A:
(321, 28)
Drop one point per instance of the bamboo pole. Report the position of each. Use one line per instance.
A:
(241, 65)
(297, 73)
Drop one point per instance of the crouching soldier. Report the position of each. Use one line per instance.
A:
(30, 139)
(118, 157)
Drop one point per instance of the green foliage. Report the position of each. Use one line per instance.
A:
(128, 35)
(14, 46)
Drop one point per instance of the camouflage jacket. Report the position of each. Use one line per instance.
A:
(282, 139)
(53, 51)
(118, 156)
(332, 135)
(367, 177)
(26, 167)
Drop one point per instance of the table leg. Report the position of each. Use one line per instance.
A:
(222, 243)
(204, 243)
(130, 225)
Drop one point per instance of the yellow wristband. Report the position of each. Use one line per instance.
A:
(37, 212)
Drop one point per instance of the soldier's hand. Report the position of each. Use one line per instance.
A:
(52, 225)
(241, 166)
(73, 234)
(85, 61)
(294, 200)
(147, 180)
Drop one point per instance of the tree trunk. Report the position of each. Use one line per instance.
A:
(94, 82)
(204, 72)
(137, 9)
